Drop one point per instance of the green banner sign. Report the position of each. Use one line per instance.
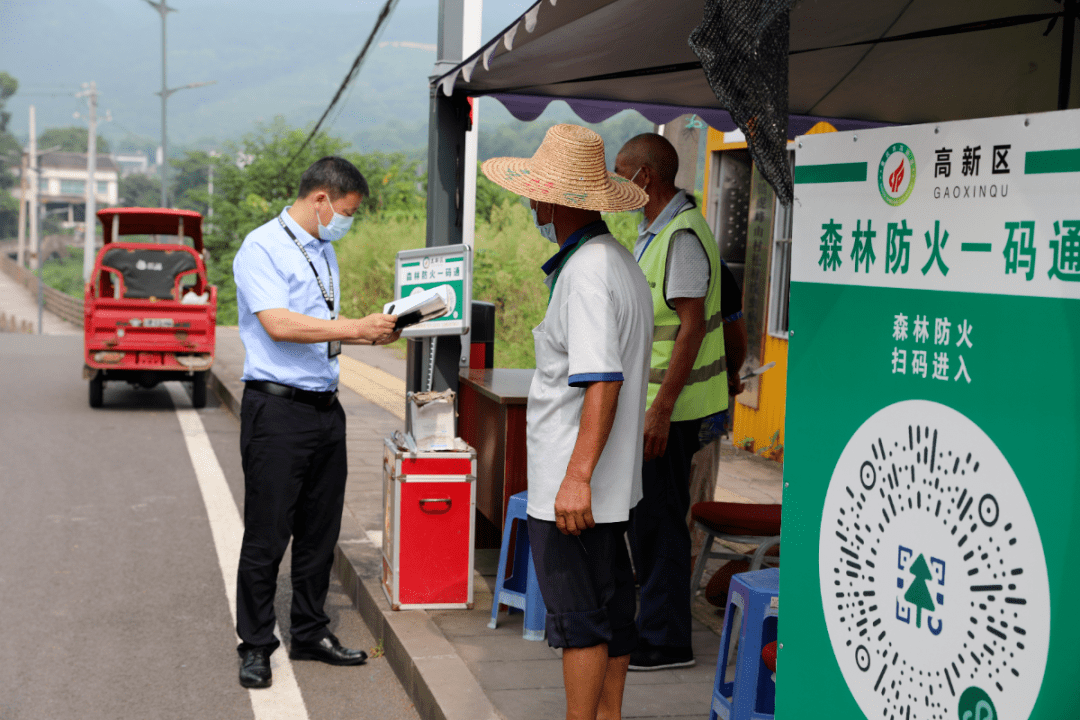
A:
(933, 412)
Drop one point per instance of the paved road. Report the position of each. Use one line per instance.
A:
(113, 603)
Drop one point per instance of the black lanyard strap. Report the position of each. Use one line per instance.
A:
(327, 296)
(566, 258)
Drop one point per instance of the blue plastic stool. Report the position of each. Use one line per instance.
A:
(520, 590)
(755, 597)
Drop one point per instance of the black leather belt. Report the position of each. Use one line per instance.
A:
(308, 397)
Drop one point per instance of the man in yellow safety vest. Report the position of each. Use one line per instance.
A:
(687, 384)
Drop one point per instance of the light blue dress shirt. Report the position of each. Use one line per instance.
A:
(271, 272)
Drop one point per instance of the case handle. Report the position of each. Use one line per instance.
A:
(448, 501)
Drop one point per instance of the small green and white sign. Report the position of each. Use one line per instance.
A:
(426, 268)
(932, 515)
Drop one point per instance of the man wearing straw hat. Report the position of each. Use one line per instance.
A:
(586, 412)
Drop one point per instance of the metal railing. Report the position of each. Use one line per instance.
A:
(61, 304)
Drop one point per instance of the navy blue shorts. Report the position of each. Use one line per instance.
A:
(588, 586)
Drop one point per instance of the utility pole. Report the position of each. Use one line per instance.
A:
(214, 155)
(21, 256)
(165, 92)
(164, 10)
(35, 182)
(89, 246)
(40, 275)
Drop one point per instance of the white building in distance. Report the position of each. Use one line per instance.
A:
(62, 183)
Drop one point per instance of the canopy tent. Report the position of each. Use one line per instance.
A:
(888, 61)
(868, 63)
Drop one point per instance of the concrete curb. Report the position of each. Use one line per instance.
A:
(216, 386)
(434, 676)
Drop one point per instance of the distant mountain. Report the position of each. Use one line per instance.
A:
(270, 62)
(267, 58)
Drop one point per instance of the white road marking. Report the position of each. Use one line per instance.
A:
(282, 700)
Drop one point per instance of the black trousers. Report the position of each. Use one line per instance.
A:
(660, 541)
(295, 467)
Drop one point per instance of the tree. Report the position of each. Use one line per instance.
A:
(10, 155)
(8, 87)
(395, 183)
(190, 180)
(520, 139)
(70, 139)
(253, 181)
(917, 593)
(256, 178)
(138, 190)
(490, 196)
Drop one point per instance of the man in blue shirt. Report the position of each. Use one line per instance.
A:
(292, 434)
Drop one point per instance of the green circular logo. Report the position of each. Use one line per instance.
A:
(975, 704)
(896, 174)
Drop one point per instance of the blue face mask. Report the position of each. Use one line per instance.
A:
(339, 225)
(547, 230)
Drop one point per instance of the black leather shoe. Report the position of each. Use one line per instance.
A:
(661, 658)
(327, 650)
(255, 668)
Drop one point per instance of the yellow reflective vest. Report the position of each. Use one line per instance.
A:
(706, 391)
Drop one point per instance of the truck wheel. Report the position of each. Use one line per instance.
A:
(198, 390)
(97, 390)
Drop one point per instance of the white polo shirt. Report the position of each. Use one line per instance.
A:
(598, 327)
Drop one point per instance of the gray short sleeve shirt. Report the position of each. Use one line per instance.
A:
(687, 263)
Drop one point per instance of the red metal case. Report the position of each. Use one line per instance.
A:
(429, 504)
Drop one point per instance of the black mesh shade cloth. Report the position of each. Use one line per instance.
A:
(743, 47)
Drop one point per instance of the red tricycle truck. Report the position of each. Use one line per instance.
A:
(149, 312)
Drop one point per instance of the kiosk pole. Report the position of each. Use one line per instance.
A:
(449, 121)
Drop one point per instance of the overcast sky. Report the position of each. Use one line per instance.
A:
(268, 57)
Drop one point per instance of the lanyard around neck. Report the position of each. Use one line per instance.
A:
(328, 297)
(577, 246)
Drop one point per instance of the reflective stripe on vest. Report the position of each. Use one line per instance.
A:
(706, 390)
(696, 375)
(669, 332)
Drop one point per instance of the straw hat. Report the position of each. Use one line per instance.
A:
(567, 169)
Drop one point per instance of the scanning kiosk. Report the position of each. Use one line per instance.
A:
(429, 478)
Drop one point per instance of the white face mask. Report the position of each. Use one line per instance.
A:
(339, 224)
(547, 230)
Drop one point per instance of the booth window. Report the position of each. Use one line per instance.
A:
(728, 207)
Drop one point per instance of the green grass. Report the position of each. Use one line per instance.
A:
(65, 274)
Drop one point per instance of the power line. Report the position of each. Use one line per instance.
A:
(387, 11)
